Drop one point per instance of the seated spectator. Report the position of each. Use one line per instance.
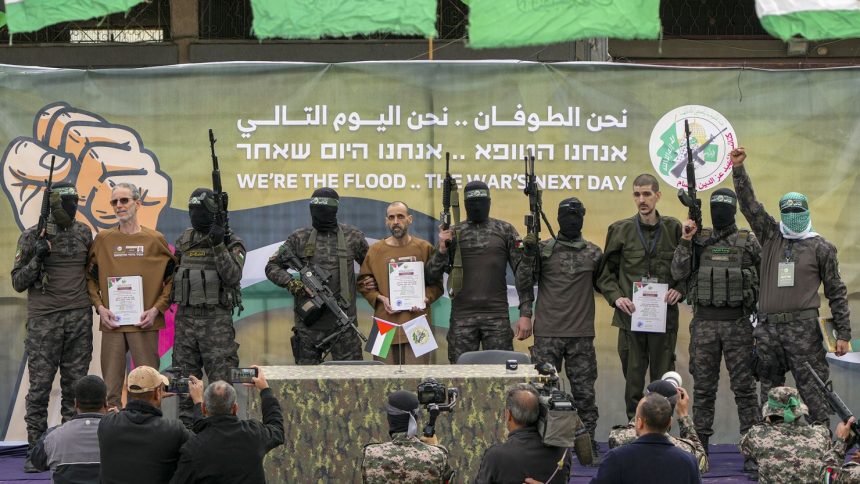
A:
(406, 458)
(226, 449)
(524, 454)
(138, 445)
(71, 450)
(651, 458)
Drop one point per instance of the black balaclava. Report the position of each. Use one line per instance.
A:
(477, 200)
(724, 206)
(571, 213)
(64, 204)
(202, 208)
(402, 410)
(324, 202)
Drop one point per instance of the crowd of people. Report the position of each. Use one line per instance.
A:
(729, 275)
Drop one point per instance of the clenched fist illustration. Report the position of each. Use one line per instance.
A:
(90, 152)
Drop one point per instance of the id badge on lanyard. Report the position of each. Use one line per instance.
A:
(785, 276)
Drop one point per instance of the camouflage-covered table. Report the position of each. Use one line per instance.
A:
(330, 412)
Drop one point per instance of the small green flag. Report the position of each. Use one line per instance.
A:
(515, 23)
(312, 19)
(812, 19)
(32, 15)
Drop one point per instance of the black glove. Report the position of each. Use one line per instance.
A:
(42, 249)
(216, 234)
(530, 245)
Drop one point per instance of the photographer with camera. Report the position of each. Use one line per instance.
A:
(406, 458)
(523, 455)
(138, 445)
(651, 458)
(224, 448)
(679, 399)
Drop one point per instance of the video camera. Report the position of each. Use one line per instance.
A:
(436, 398)
(559, 424)
(177, 381)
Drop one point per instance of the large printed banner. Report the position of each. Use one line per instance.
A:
(378, 132)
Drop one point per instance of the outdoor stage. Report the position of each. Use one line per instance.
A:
(726, 465)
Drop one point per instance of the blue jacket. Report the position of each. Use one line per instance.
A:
(649, 459)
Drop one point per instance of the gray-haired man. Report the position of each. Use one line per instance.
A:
(138, 258)
(226, 449)
(524, 454)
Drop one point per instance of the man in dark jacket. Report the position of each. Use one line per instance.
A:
(71, 450)
(524, 454)
(226, 449)
(652, 458)
(136, 443)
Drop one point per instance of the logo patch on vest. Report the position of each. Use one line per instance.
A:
(195, 253)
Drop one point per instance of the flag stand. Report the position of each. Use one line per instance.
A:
(400, 360)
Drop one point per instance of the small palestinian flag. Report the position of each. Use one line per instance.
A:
(381, 335)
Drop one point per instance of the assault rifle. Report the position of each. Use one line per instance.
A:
(536, 213)
(688, 198)
(44, 214)
(836, 403)
(449, 187)
(222, 218)
(42, 227)
(320, 298)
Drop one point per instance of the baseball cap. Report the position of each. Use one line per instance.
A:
(145, 379)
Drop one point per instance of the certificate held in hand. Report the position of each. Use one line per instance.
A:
(649, 299)
(125, 298)
(406, 285)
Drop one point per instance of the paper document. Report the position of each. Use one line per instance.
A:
(406, 285)
(125, 298)
(650, 302)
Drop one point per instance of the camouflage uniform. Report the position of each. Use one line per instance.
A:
(480, 316)
(788, 332)
(786, 451)
(835, 471)
(564, 316)
(205, 337)
(724, 330)
(689, 440)
(325, 255)
(59, 320)
(405, 460)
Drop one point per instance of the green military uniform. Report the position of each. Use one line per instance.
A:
(635, 251)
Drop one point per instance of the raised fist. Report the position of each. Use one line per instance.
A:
(90, 152)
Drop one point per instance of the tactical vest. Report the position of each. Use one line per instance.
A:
(721, 280)
(197, 282)
(342, 260)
